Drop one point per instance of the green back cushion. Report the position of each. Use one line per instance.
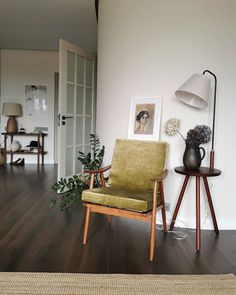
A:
(136, 162)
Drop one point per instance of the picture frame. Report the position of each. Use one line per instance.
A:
(145, 118)
(35, 104)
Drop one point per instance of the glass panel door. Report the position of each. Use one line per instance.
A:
(76, 106)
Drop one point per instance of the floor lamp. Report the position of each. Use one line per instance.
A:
(195, 92)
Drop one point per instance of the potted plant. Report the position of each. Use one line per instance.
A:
(69, 190)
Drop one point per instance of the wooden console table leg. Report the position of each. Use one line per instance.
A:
(11, 151)
(179, 202)
(42, 149)
(198, 223)
(5, 147)
(211, 205)
(5, 141)
(38, 150)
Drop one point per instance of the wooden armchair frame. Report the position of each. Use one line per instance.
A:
(149, 216)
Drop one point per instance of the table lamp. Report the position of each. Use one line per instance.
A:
(12, 110)
(195, 92)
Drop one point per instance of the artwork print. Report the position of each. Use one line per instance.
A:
(144, 118)
(36, 100)
(144, 121)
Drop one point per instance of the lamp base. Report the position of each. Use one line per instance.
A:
(212, 160)
(11, 125)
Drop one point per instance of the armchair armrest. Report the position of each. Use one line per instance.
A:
(161, 177)
(98, 171)
(101, 170)
(158, 186)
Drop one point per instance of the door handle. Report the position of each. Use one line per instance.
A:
(63, 118)
(66, 117)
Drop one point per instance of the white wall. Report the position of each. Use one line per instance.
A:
(149, 48)
(26, 67)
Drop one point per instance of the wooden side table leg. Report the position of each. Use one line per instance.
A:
(179, 202)
(163, 210)
(211, 205)
(198, 223)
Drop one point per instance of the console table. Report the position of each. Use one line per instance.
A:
(203, 172)
(40, 148)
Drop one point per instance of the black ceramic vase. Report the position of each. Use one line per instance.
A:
(192, 157)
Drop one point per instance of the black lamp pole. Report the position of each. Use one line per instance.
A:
(212, 153)
(96, 8)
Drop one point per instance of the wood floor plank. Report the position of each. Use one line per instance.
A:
(34, 237)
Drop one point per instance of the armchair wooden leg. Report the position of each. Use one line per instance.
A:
(163, 210)
(152, 239)
(109, 218)
(153, 223)
(86, 225)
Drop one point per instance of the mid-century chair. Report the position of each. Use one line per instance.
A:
(135, 187)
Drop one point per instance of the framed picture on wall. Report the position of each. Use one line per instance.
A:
(36, 100)
(144, 118)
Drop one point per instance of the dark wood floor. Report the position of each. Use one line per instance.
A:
(34, 237)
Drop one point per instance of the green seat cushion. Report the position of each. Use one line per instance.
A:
(120, 198)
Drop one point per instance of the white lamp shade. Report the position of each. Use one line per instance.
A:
(11, 109)
(195, 91)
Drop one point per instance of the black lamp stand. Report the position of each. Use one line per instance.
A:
(212, 152)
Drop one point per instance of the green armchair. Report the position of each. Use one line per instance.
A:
(135, 187)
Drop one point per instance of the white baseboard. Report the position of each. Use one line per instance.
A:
(206, 222)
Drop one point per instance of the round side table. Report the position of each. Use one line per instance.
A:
(203, 172)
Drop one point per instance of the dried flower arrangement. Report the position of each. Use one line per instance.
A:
(199, 135)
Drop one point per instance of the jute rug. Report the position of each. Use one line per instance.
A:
(109, 284)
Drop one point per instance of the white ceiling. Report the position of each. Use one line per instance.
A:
(39, 24)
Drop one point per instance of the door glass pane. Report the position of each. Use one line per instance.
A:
(69, 131)
(69, 161)
(79, 130)
(88, 124)
(80, 69)
(78, 165)
(89, 72)
(88, 101)
(70, 99)
(80, 101)
(71, 67)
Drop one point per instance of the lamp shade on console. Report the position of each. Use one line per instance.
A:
(12, 110)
